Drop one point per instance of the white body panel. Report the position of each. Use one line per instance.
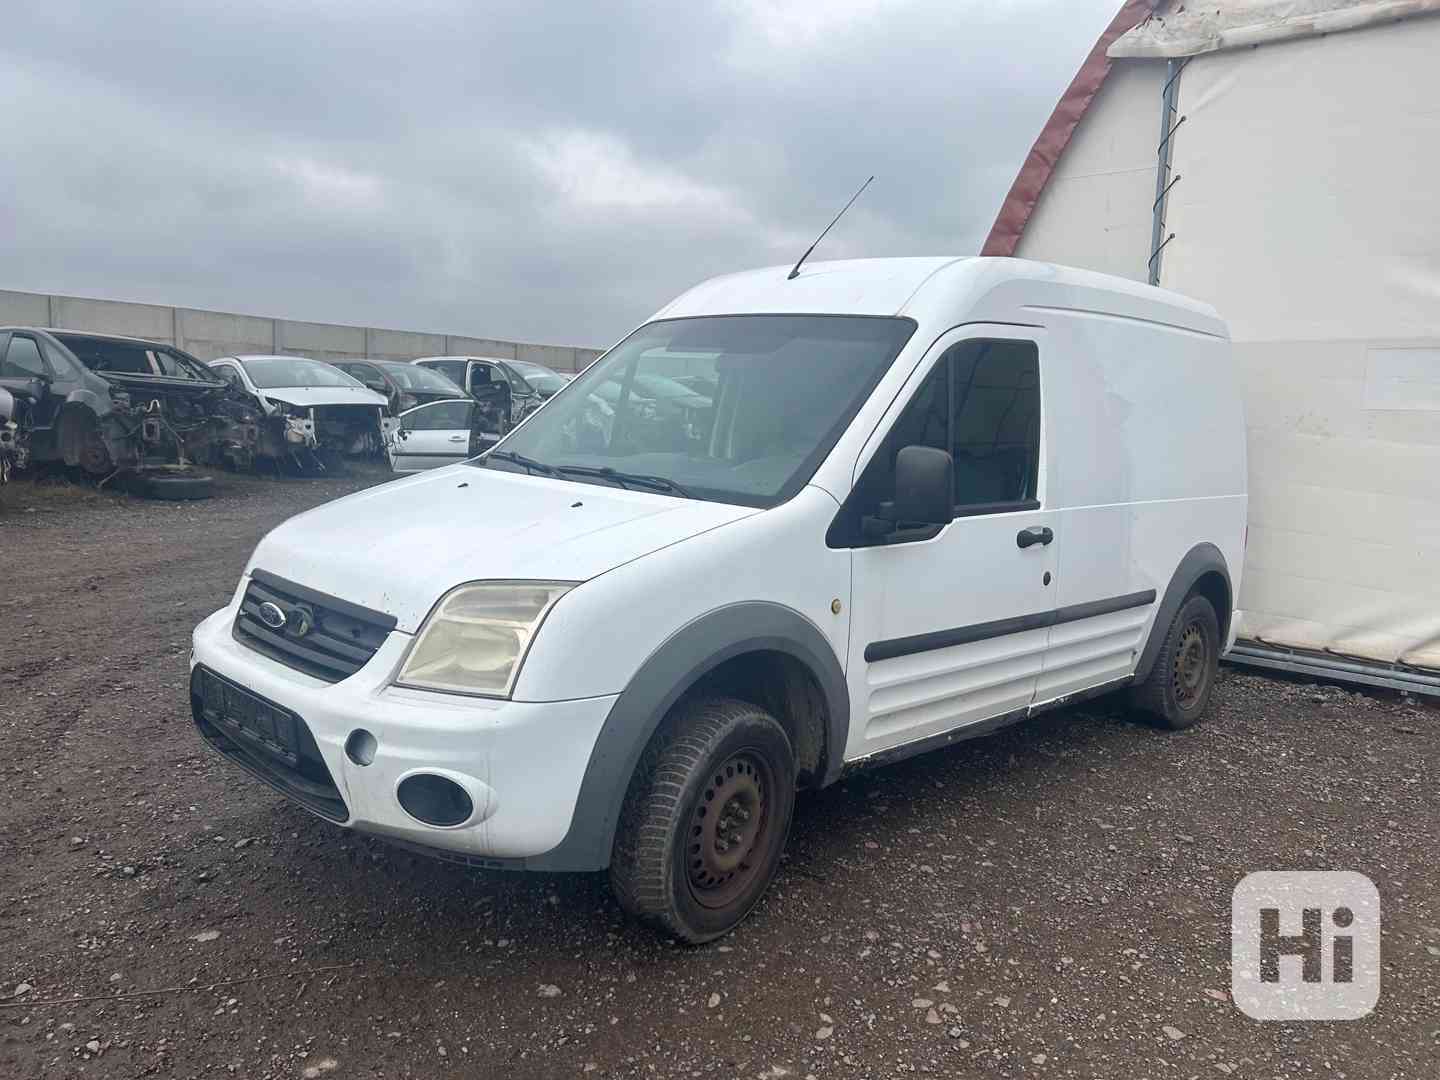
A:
(1137, 464)
(305, 397)
(523, 778)
(971, 573)
(414, 449)
(438, 529)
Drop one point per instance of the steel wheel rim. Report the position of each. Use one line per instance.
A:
(1192, 661)
(729, 830)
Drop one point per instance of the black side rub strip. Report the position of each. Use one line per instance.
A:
(964, 635)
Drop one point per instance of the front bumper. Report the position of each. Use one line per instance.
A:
(521, 763)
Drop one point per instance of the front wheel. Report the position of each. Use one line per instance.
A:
(1177, 691)
(82, 444)
(705, 819)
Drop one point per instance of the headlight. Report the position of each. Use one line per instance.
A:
(476, 638)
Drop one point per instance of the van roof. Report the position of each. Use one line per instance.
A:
(987, 289)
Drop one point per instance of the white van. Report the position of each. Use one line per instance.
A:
(923, 498)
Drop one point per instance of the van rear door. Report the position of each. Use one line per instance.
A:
(951, 630)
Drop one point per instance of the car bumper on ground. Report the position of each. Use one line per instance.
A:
(520, 763)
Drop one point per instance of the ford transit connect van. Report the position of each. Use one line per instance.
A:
(923, 498)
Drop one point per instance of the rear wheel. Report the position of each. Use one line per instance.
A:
(1177, 691)
(705, 819)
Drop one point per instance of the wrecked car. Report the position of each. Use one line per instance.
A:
(105, 403)
(504, 395)
(407, 386)
(313, 409)
(14, 432)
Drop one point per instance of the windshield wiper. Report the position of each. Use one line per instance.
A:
(529, 464)
(625, 479)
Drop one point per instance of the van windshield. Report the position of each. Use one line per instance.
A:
(733, 408)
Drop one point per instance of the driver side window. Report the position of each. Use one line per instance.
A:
(981, 405)
(442, 416)
(22, 359)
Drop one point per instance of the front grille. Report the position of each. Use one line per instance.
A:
(265, 739)
(322, 636)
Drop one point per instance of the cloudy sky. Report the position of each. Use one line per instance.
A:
(546, 170)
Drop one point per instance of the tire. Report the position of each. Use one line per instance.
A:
(175, 488)
(1177, 691)
(705, 820)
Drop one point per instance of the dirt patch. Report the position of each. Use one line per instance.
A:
(1052, 901)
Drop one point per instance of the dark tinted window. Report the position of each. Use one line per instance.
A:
(22, 359)
(981, 402)
(417, 377)
(59, 360)
(121, 356)
(454, 370)
(368, 374)
(538, 376)
(444, 416)
(995, 432)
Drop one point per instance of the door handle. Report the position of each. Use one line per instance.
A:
(457, 438)
(1030, 537)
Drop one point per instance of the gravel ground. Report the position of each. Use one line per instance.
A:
(1052, 901)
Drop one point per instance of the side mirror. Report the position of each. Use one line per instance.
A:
(924, 487)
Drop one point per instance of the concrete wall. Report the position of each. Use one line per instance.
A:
(209, 334)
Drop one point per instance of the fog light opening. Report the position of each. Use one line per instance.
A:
(434, 800)
(360, 747)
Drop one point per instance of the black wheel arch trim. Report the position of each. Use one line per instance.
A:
(1198, 561)
(685, 657)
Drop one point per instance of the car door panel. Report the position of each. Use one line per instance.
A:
(952, 631)
(431, 436)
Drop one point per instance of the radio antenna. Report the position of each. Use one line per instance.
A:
(794, 273)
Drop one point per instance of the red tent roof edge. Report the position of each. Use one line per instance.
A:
(1040, 163)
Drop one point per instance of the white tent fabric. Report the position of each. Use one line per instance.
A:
(1304, 210)
(1306, 214)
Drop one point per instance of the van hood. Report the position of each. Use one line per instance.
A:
(399, 547)
(305, 396)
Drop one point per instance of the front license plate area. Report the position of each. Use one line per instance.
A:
(249, 718)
